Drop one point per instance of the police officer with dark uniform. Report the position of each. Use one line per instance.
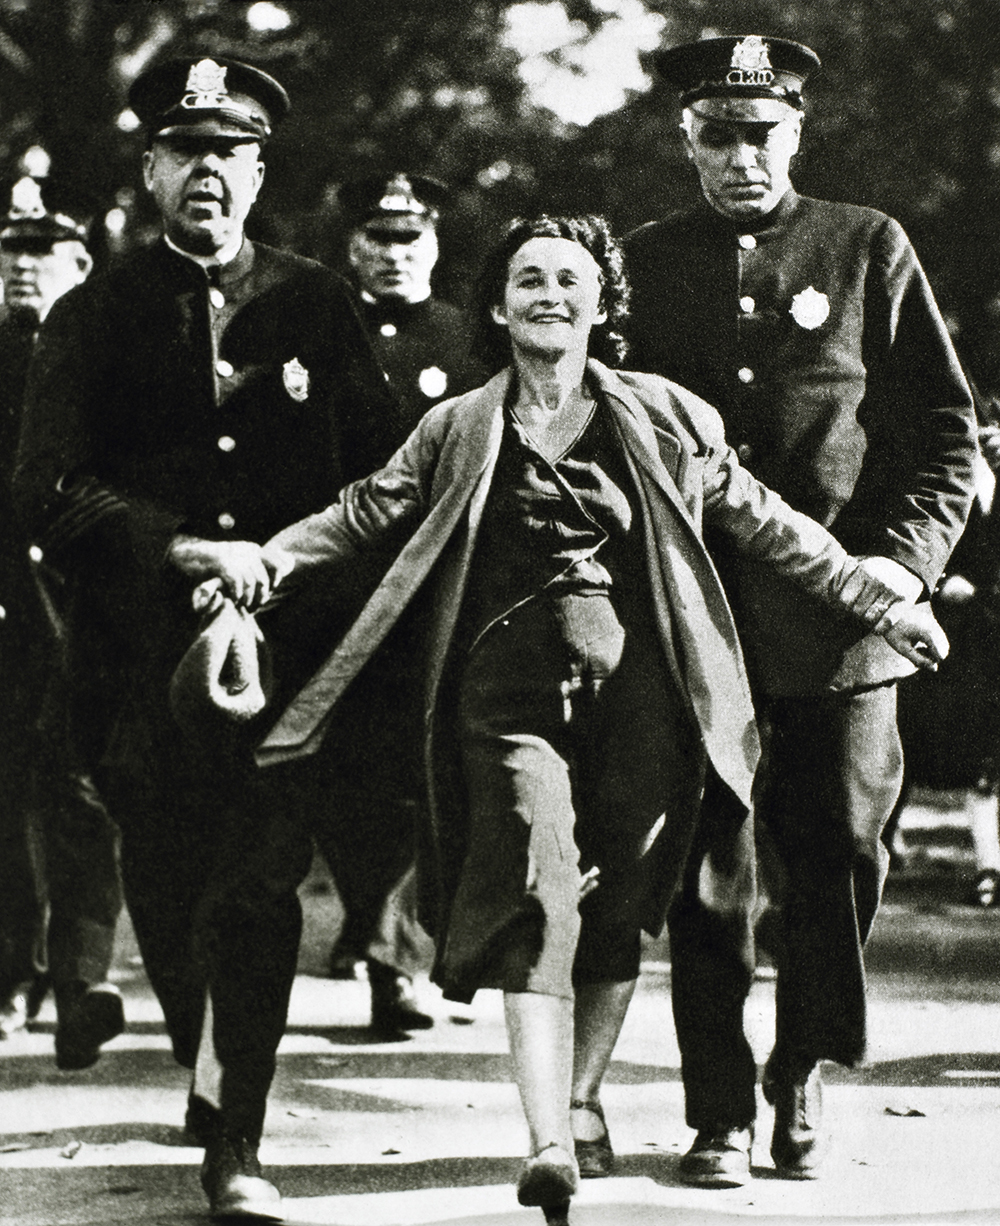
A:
(365, 835)
(182, 407)
(422, 341)
(60, 892)
(811, 327)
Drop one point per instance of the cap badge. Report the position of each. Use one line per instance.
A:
(810, 308)
(399, 198)
(750, 63)
(296, 380)
(206, 86)
(26, 199)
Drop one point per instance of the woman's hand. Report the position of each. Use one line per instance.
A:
(913, 631)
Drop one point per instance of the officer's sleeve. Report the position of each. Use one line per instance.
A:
(68, 510)
(916, 486)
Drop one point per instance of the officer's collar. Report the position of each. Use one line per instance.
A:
(222, 269)
(760, 227)
(391, 309)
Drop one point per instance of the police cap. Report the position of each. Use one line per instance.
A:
(208, 97)
(401, 203)
(44, 210)
(748, 79)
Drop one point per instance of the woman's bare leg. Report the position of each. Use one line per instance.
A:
(599, 1014)
(540, 1032)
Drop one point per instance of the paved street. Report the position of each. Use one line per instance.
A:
(430, 1131)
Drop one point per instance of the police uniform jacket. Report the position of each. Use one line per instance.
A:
(163, 398)
(817, 338)
(434, 489)
(424, 348)
(16, 585)
(26, 644)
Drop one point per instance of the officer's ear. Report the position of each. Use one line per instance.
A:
(147, 168)
(684, 127)
(84, 264)
(795, 132)
(498, 316)
(355, 248)
(260, 176)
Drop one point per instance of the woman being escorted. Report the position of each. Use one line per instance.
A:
(582, 668)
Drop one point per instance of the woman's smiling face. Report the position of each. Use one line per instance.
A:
(552, 297)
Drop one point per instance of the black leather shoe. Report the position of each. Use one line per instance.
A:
(596, 1159)
(798, 1143)
(87, 1017)
(234, 1183)
(719, 1158)
(394, 1005)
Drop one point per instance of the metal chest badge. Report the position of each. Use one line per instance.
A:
(810, 308)
(296, 380)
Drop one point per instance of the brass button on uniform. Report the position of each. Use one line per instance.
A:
(224, 368)
(745, 374)
(747, 304)
(226, 443)
(747, 242)
(217, 298)
(226, 521)
(388, 330)
(35, 553)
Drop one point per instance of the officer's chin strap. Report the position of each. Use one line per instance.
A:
(207, 1082)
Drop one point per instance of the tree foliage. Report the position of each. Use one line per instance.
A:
(903, 116)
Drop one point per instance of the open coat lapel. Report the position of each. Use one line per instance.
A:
(464, 468)
(696, 627)
(695, 621)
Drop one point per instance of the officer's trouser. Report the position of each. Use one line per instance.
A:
(830, 777)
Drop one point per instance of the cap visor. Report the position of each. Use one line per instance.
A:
(40, 228)
(213, 127)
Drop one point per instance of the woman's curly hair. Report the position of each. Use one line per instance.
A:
(491, 341)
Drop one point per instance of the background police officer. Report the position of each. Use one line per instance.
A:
(422, 342)
(366, 833)
(181, 408)
(811, 327)
(60, 894)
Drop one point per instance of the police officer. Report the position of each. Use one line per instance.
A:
(181, 407)
(366, 833)
(422, 342)
(810, 325)
(60, 895)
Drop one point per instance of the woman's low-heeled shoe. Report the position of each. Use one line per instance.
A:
(596, 1159)
(548, 1179)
